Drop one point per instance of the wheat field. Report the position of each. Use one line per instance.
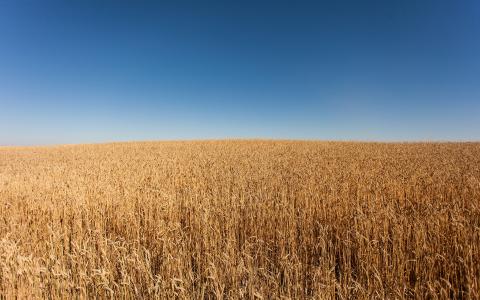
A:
(241, 220)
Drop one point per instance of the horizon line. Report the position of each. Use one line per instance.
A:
(248, 139)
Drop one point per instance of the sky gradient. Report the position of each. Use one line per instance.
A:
(100, 71)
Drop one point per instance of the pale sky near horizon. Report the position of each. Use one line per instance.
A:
(100, 71)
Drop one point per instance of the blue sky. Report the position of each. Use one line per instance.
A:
(98, 71)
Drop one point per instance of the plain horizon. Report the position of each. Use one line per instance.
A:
(113, 71)
(100, 143)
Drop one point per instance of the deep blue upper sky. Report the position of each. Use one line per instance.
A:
(92, 71)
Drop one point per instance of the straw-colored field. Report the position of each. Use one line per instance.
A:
(241, 219)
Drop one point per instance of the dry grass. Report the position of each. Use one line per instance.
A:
(241, 219)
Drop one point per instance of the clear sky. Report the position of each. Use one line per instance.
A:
(94, 71)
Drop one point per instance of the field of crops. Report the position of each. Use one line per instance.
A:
(241, 220)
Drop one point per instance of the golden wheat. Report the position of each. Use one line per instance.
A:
(241, 220)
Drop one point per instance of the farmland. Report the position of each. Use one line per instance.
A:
(241, 219)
